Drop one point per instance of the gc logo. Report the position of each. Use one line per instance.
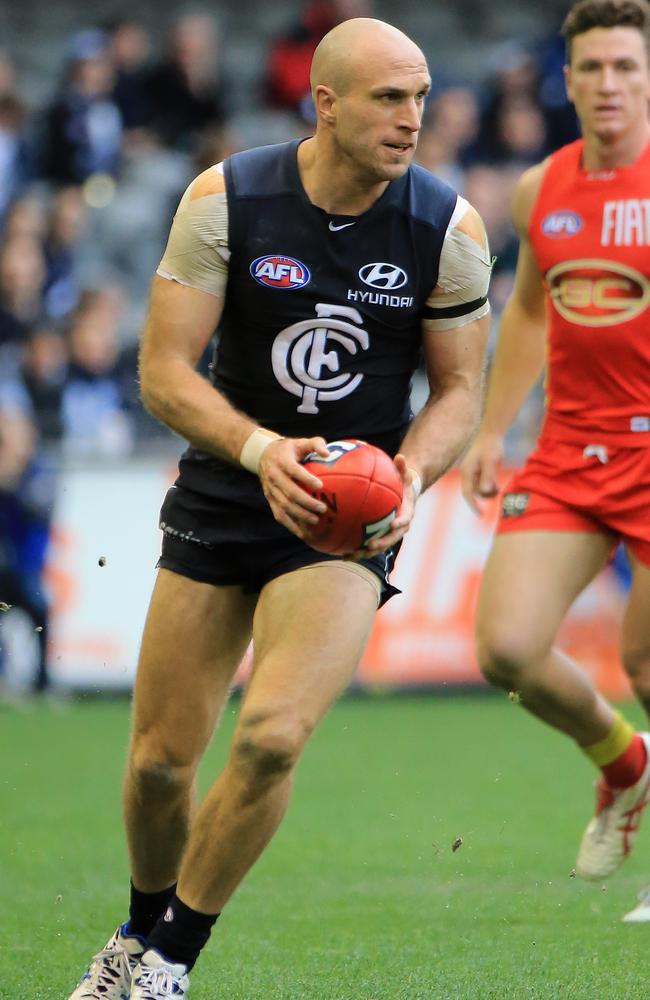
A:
(301, 359)
(593, 292)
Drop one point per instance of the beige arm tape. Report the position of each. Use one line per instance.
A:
(464, 275)
(197, 251)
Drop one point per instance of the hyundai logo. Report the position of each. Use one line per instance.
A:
(383, 275)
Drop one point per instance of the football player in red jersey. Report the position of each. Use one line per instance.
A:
(580, 305)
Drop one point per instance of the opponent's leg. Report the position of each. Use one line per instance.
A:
(635, 654)
(307, 645)
(530, 581)
(635, 633)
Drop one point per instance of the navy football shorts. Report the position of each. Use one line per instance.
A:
(194, 545)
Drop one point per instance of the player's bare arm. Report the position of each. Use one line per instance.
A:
(185, 308)
(455, 359)
(520, 354)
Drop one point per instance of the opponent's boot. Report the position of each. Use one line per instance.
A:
(611, 833)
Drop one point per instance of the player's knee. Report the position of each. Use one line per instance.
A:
(636, 661)
(501, 658)
(157, 772)
(268, 747)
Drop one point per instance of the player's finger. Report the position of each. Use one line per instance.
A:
(280, 501)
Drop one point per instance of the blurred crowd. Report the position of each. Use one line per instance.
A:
(88, 186)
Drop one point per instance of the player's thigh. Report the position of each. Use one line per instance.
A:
(194, 638)
(310, 629)
(635, 630)
(530, 580)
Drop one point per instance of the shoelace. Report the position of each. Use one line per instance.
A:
(114, 963)
(159, 982)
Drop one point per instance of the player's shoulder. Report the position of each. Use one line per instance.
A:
(431, 199)
(211, 181)
(263, 170)
(527, 191)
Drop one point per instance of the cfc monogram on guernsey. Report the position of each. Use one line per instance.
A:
(590, 233)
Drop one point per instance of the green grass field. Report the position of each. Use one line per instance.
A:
(360, 896)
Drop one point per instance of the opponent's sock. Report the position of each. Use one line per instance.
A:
(181, 933)
(621, 755)
(145, 909)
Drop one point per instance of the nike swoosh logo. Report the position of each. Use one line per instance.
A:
(335, 229)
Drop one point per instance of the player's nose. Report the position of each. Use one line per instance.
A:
(411, 115)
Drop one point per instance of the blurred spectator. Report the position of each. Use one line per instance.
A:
(27, 494)
(22, 278)
(185, 89)
(42, 373)
(449, 132)
(25, 217)
(96, 421)
(14, 156)
(83, 132)
(67, 224)
(561, 119)
(519, 138)
(214, 145)
(130, 47)
(505, 135)
(289, 57)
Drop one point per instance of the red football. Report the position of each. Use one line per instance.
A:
(362, 490)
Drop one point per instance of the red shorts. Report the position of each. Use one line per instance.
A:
(570, 487)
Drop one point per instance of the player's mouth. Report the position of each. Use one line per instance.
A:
(400, 147)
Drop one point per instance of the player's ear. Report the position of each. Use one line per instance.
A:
(325, 101)
(567, 81)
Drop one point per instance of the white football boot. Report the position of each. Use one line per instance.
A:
(156, 979)
(641, 912)
(109, 974)
(610, 834)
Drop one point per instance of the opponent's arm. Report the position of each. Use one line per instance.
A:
(520, 353)
(455, 360)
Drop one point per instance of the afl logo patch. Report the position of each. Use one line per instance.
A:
(276, 271)
(562, 224)
(597, 292)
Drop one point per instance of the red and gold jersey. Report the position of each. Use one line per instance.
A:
(590, 233)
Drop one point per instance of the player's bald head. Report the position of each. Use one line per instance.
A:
(358, 47)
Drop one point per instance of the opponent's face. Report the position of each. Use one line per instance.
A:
(378, 118)
(608, 81)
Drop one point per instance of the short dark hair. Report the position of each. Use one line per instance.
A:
(588, 14)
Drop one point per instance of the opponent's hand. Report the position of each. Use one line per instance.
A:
(285, 481)
(480, 468)
(402, 520)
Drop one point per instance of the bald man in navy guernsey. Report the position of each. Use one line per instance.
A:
(330, 267)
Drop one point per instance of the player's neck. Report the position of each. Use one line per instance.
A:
(331, 185)
(621, 152)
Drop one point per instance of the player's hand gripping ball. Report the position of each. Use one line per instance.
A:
(362, 491)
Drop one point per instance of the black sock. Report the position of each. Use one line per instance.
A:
(145, 909)
(180, 934)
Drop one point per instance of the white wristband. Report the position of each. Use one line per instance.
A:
(416, 482)
(254, 447)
